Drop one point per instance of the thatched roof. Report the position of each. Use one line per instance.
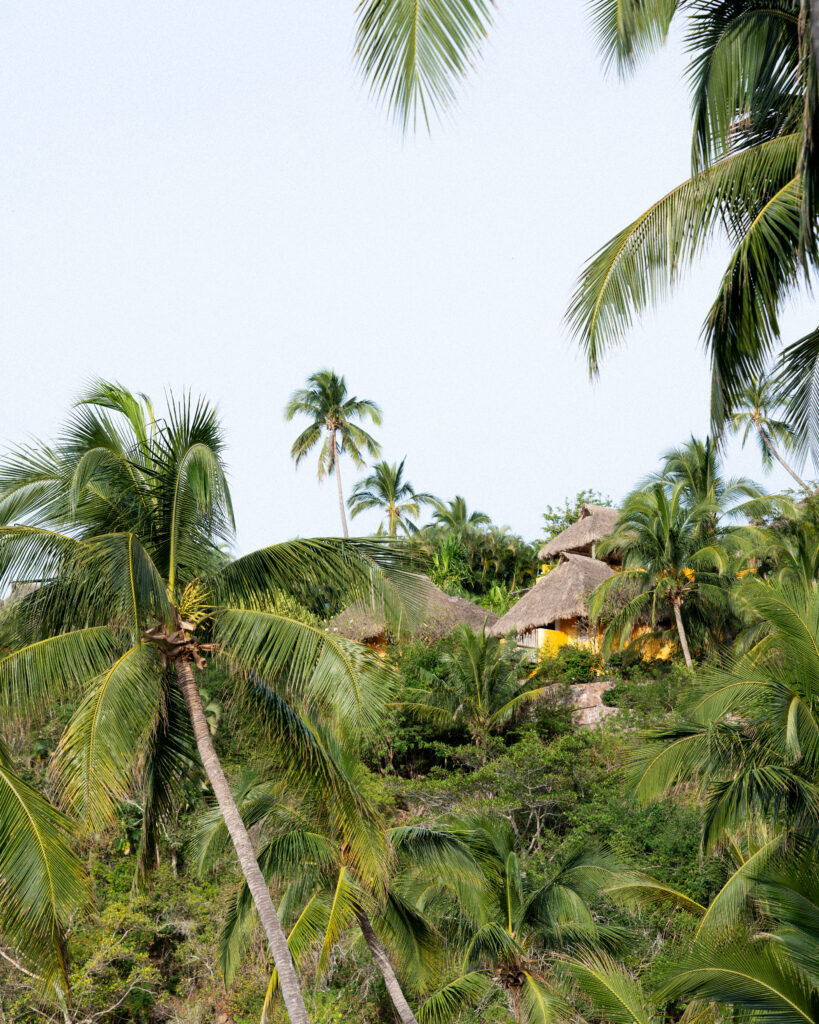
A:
(595, 523)
(440, 614)
(562, 594)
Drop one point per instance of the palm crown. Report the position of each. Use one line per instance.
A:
(387, 490)
(755, 411)
(332, 412)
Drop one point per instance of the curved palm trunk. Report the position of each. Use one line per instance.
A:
(288, 979)
(771, 448)
(337, 470)
(382, 962)
(681, 632)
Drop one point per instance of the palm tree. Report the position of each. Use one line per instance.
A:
(511, 923)
(332, 411)
(340, 867)
(697, 468)
(482, 686)
(754, 182)
(748, 736)
(387, 490)
(454, 517)
(666, 565)
(754, 411)
(121, 523)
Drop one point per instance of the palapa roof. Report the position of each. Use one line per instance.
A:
(561, 594)
(595, 523)
(440, 613)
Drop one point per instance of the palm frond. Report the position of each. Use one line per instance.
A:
(413, 51)
(42, 882)
(95, 760)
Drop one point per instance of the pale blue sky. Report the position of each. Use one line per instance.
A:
(201, 195)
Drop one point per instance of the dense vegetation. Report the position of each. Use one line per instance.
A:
(214, 808)
(192, 766)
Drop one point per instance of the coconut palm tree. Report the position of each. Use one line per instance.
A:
(454, 517)
(332, 412)
(387, 490)
(748, 735)
(755, 411)
(668, 562)
(753, 182)
(341, 869)
(122, 524)
(512, 923)
(482, 686)
(697, 468)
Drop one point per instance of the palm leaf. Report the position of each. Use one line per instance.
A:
(42, 882)
(412, 51)
(615, 992)
(95, 760)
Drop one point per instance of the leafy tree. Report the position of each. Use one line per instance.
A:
(755, 411)
(332, 411)
(482, 685)
(387, 490)
(754, 182)
(121, 523)
(514, 921)
(557, 518)
(665, 564)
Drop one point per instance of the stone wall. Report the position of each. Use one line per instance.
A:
(587, 702)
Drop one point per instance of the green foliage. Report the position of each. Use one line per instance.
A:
(557, 518)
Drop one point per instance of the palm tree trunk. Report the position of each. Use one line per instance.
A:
(382, 962)
(814, 32)
(768, 444)
(337, 470)
(681, 632)
(288, 979)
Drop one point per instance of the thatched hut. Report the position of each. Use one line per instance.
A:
(594, 523)
(555, 611)
(440, 613)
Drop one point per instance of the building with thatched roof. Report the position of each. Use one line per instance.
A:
(593, 524)
(439, 614)
(555, 611)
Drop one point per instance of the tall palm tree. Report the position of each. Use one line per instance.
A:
(341, 868)
(121, 523)
(482, 685)
(755, 411)
(332, 411)
(512, 923)
(387, 490)
(666, 564)
(755, 111)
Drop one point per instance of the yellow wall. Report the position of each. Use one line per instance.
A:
(550, 641)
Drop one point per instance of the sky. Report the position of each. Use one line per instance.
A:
(203, 196)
